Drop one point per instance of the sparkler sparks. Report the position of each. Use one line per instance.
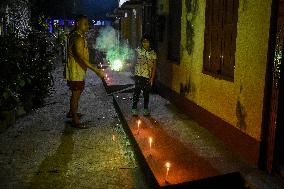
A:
(116, 65)
(116, 49)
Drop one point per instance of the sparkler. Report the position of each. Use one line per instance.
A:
(116, 65)
(117, 50)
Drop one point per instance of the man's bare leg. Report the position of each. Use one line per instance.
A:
(73, 98)
(74, 101)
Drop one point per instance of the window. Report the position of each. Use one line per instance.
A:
(221, 19)
(174, 30)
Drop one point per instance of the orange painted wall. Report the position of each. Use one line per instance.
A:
(235, 102)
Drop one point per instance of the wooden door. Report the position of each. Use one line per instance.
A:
(220, 38)
(275, 135)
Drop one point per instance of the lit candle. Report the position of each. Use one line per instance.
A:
(150, 143)
(168, 165)
(138, 126)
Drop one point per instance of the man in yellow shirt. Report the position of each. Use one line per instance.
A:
(77, 65)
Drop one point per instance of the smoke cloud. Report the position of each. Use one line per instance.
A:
(115, 49)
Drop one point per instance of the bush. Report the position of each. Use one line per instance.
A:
(26, 66)
(39, 68)
(12, 52)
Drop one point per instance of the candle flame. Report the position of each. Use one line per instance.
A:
(138, 124)
(168, 165)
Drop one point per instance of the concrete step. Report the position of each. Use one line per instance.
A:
(195, 161)
(117, 81)
(198, 159)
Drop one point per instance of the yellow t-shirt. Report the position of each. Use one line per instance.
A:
(74, 71)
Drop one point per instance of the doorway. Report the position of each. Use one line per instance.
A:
(274, 132)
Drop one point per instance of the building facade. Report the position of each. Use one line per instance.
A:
(215, 62)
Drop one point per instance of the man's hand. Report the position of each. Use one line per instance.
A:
(99, 73)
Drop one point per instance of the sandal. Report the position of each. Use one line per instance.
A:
(78, 114)
(80, 125)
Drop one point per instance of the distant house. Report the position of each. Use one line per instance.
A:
(219, 61)
(130, 17)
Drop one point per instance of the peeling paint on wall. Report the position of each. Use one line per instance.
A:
(241, 115)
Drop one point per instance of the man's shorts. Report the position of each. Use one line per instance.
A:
(76, 85)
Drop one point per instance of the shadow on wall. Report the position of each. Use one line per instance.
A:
(241, 113)
(185, 88)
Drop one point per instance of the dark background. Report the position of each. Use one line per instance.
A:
(65, 9)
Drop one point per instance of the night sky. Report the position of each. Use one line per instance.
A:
(69, 8)
(96, 8)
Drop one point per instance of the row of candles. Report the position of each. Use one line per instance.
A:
(167, 165)
(106, 76)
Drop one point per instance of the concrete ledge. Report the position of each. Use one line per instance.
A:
(240, 142)
(188, 168)
(139, 156)
(115, 81)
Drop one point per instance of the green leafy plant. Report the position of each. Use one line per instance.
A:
(39, 69)
(11, 79)
(26, 67)
(26, 58)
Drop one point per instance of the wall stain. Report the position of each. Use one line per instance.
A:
(185, 89)
(241, 113)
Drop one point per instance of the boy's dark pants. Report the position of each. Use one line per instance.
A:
(141, 83)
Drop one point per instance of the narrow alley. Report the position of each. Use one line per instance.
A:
(43, 150)
(141, 94)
